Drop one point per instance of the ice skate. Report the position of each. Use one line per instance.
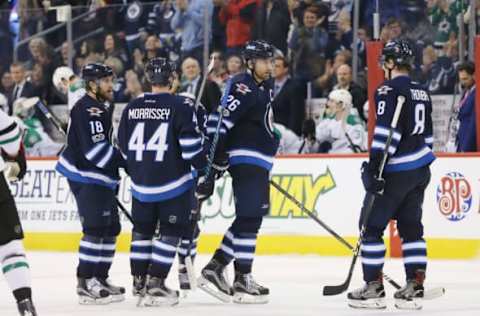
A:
(92, 292)
(116, 292)
(411, 295)
(139, 285)
(214, 281)
(247, 291)
(158, 294)
(26, 308)
(371, 296)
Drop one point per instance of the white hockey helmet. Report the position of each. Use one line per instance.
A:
(62, 73)
(341, 96)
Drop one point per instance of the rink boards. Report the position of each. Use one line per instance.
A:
(328, 185)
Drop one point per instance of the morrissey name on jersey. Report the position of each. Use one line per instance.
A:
(149, 114)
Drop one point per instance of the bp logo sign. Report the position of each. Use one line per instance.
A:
(454, 196)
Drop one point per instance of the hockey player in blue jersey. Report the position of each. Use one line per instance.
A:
(400, 194)
(160, 139)
(90, 163)
(247, 145)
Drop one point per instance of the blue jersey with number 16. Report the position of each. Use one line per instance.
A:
(161, 142)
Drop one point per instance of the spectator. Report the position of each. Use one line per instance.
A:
(219, 75)
(341, 132)
(467, 132)
(134, 87)
(235, 65)
(272, 23)
(119, 85)
(219, 38)
(192, 80)
(7, 84)
(308, 45)
(153, 48)
(238, 17)
(324, 84)
(189, 17)
(6, 48)
(443, 16)
(338, 9)
(3, 103)
(288, 102)
(159, 23)
(135, 19)
(22, 88)
(345, 81)
(437, 73)
(111, 48)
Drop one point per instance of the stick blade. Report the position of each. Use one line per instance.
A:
(330, 290)
(434, 293)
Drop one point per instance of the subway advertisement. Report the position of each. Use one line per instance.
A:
(329, 186)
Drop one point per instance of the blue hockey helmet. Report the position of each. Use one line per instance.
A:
(95, 71)
(258, 49)
(399, 51)
(159, 71)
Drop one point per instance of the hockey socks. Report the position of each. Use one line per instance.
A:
(89, 254)
(373, 258)
(244, 245)
(414, 257)
(140, 253)
(16, 270)
(163, 255)
(106, 257)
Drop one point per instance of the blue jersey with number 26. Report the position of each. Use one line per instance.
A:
(160, 139)
(412, 140)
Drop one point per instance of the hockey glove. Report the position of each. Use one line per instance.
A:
(16, 166)
(204, 188)
(219, 167)
(309, 129)
(370, 182)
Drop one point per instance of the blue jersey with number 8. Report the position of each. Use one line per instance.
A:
(412, 140)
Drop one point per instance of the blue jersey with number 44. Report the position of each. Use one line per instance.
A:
(159, 138)
(412, 140)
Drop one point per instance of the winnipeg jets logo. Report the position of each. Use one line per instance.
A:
(94, 111)
(243, 88)
(384, 90)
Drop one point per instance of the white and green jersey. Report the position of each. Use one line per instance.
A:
(10, 137)
(36, 141)
(76, 90)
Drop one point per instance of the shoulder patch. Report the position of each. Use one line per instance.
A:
(189, 102)
(242, 88)
(94, 111)
(384, 90)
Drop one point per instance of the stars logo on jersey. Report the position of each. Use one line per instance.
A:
(384, 90)
(243, 88)
(94, 111)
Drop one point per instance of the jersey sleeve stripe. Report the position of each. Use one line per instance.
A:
(190, 155)
(379, 130)
(189, 141)
(213, 118)
(381, 146)
(103, 162)
(94, 151)
(8, 129)
(212, 130)
(4, 141)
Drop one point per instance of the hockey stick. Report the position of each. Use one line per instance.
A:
(59, 127)
(195, 213)
(338, 289)
(428, 294)
(325, 226)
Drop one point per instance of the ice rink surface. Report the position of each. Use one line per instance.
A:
(295, 284)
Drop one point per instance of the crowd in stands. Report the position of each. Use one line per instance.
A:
(314, 39)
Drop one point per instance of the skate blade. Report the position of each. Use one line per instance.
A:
(184, 293)
(244, 298)
(373, 303)
(86, 300)
(209, 288)
(117, 298)
(412, 304)
(155, 301)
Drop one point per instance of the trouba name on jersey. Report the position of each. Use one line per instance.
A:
(149, 114)
(419, 95)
